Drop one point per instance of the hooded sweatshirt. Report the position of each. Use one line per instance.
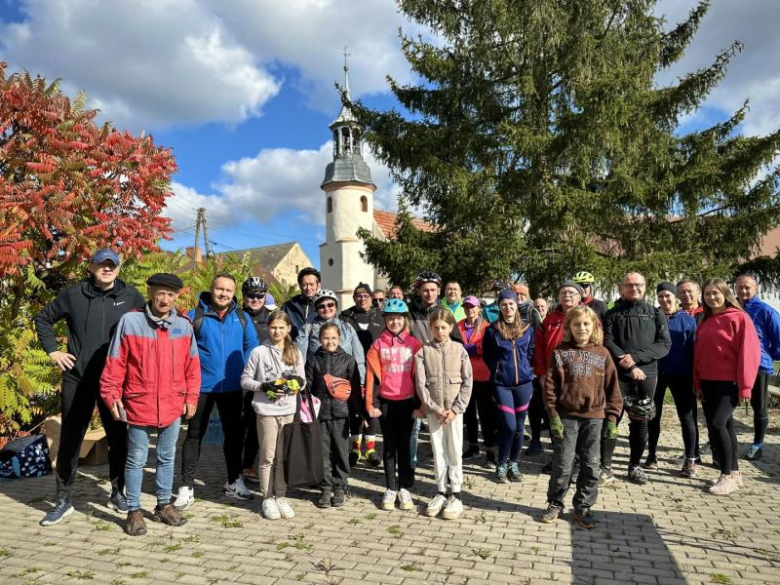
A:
(265, 364)
(727, 349)
(582, 382)
(391, 365)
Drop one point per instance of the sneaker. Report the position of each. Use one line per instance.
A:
(324, 499)
(237, 490)
(250, 476)
(605, 476)
(724, 486)
(270, 510)
(490, 457)
(704, 448)
(388, 500)
(501, 470)
(689, 469)
(405, 499)
(435, 506)
(118, 502)
(471, 452)
(168, 514)
(754, 452)
(651, 462)
(452, 509)
(552, 513)
(354, 457)
(185, 498)
(534, 448)
(134, 524)
(338, 498)
(513, 472)
(637, 475)
(737, 476)
(284, 508)
(373, 458)
(57, 514)
(584, 517)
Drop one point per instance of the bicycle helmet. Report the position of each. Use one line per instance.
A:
(254, 284)
(583, 278)
(309, 271)
(325, 294)
(639, 409)
(427, 276)
(394, 307)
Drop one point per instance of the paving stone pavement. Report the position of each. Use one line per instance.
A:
(667, 532)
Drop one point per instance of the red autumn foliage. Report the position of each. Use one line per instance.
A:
(68, 186)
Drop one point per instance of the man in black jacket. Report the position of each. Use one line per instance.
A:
(92, 309)
(637, 336)
(300, 308)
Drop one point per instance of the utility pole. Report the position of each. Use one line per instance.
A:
(201, 220)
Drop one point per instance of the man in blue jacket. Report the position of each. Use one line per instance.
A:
(225, 337)
(767, 323)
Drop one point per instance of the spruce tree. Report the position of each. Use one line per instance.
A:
(537, 144)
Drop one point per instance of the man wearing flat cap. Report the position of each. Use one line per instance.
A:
(91, 308)
(151, 379)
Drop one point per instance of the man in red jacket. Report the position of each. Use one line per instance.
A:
(151, 379)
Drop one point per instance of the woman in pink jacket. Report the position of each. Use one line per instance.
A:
(725, 364)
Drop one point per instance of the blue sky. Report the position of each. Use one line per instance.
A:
(243, 90)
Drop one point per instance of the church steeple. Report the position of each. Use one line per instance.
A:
(348, 164)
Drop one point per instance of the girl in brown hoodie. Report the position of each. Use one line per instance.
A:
(581, 391)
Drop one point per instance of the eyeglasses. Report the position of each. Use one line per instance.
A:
(255, 296)
(585, 284)
(634, 285)
(326, 306)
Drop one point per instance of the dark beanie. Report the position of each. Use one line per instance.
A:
(362, 287)
(508, 293)
(570, 284)
(667, 286)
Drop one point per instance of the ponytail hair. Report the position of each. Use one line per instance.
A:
(290, 354)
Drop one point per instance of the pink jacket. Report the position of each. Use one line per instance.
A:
(390, 362)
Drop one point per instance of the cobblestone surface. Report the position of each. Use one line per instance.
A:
(669, 531)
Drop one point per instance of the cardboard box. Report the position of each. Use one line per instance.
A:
(94, 449)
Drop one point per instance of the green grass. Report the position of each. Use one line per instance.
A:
(395, 530)
(411, 567)
(4, 552)
(140, 575)
(721, 579)
(354, 522)
(228, 521)
(482, 553)
(371, 516)
(172, 548)
(197, 554)
(81, 575)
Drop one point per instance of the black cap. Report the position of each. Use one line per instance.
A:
(362, 287)
(165, 279)
(105, 254)
(667, 286)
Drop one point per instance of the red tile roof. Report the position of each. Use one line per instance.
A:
(386, 222)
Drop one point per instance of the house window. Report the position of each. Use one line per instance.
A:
(364, 204)
(330, 262)
(330, 204)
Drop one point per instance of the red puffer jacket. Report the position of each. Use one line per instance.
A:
(152, 367)
(548, 337)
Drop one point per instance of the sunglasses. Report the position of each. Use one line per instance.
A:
(377, 302)
(255, 296)
(326, 306)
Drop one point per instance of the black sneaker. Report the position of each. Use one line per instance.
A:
(62, 510)
(354, 457)
(471, 452)
(338, 498)
(584, 517)
(547, 467)
(534, 448)
(637, 475)
(373, 458)
(118, 502)
(552, 513)
(324, 499)
(688, 469)
(490, 457)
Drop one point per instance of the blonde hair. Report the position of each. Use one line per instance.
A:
(442, 315)
(723, 288)
(596, 337)
(290, 354)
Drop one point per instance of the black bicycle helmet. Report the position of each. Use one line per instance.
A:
(254, 284)
(639, 409)
(427, 276)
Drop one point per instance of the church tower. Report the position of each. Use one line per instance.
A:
(349, 205)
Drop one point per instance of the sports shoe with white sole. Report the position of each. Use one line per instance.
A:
(184, 498)
(62, 510)
(237, 490)
(453, 509)
(405, 499)
(285, 509)
(435, 506)
(388, 500)
(270, 510)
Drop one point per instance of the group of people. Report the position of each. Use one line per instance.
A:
(575, 367)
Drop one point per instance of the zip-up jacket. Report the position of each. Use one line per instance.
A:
(152, 367)
(599, 307)
(265, 364)
(509, 360)
(528, 313)
(341, 365)
(443, 377)
(308, 341)
(472, 341)
(300, 310)
(582, 382)
(456, 309)
(418, 318)
(391, 366)
(766, 320)
(91, 315)
(546, 338)
(679, 360)
(368, 324)
(636, 328)
(224, 345)
(727, 349)
(260, 321)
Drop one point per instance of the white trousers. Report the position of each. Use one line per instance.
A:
(447, 445)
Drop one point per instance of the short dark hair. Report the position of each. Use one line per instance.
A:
(222, 275)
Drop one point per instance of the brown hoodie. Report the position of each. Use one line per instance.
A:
(582, 382)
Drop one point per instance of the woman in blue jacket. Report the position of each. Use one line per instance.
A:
(508, 348)
(675, 371)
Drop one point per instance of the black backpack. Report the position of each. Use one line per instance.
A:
(197, 322)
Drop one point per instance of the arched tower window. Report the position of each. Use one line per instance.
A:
(364, 204)
(346, 141)
(330, 204)
(356, 141)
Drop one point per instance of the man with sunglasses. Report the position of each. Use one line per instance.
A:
(378, 299)
(586, 280)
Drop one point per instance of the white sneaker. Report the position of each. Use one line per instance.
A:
(270, 510)
(388, 500)
(405, 499)
(452, 509)
(184, 498)
(435, 505)
(724, 486)
(285, 509)
(237, 490)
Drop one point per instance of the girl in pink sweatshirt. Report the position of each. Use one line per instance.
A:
(727, 354)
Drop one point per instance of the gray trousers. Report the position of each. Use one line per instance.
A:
(581, 436)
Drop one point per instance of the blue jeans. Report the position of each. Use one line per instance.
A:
(138, 452)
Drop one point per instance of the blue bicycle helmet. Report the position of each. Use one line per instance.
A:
(394, 307)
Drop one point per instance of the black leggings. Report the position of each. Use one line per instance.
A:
(759, 400)
(537, 413)
(251, 446)
(637, 429)
(720, 398)
(396, 422)
(685, 403)
(482, 404)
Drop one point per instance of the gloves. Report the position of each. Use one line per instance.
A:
(556, 427)
(610, 431)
